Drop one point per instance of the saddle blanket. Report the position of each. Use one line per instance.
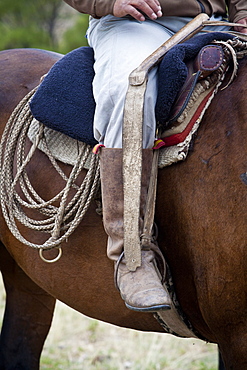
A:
(64, 100)
(174, 143)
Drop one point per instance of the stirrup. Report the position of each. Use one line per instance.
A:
(116, 270)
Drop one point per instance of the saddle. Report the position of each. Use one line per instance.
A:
(64, 100)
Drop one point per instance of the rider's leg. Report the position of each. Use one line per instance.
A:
(116, 56)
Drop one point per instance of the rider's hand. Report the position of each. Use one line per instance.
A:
(136, 8)
(241, 29)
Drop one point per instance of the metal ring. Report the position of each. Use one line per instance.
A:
(54, 259)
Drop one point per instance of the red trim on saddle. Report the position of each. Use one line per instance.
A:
(179, 138)
(97, 147)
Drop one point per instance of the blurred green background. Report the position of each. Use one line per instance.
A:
(42, 24)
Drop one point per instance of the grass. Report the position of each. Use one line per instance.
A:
(76, 342)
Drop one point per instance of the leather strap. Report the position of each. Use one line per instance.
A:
(132, 140)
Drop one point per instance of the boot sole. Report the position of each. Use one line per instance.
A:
(162, 307)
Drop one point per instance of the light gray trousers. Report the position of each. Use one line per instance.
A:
(120, 45)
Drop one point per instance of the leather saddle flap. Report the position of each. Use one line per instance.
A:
(208, 60)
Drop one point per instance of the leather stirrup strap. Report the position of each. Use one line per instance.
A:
(132, 140)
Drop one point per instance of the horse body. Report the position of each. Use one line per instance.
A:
(201, 219)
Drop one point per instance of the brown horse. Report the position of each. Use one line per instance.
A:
(201, 217)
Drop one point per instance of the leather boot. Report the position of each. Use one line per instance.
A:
(142, 290)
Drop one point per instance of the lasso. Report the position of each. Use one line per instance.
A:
(59, 222)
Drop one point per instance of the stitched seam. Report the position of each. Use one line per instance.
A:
(218, 63)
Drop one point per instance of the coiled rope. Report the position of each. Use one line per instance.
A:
(59, 222)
